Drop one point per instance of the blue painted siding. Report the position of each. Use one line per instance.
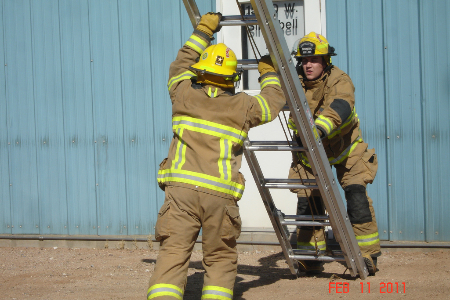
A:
(20, 120)
(85, 116)
(390, 49)
(78, 118)
(5, 203)
(434, 62)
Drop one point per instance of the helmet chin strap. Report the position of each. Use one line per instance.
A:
(215, 80)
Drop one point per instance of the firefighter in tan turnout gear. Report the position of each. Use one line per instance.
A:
(200, 176)
(330, 95)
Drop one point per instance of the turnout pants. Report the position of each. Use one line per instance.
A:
(180, 218)
(359, 205)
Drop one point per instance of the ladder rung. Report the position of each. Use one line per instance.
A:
(305, 223)
(273, 146)
(319, 258)
(290, 186)
(275, 180)
(306, 218)
(237, 20)
(247, 64)
(313, 252)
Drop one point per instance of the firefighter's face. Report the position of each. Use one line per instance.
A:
(313, 67)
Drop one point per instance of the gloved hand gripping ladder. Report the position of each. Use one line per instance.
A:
(266, 18)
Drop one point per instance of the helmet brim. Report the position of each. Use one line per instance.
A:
(199, 68)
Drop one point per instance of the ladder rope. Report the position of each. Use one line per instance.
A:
(250, 37)
(289, 140)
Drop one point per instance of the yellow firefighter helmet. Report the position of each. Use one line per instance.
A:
(314, 44)
(217, 60)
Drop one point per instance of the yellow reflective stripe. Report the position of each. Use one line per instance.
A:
(231, 63)
(309, 245)
(269, 80)
(216, 292)
(159, 290)
(369, 236)
(210, 128)
(345, 153)
(292, 126)
(215, 296)
(367, 240)
(197, 43)
(349, 120)
(332, 160)
(225, 159)
(266, 115)
(324, 123)
(207, 181)
(180, 154)
(182, 76)
(214, 95)
(368, 243)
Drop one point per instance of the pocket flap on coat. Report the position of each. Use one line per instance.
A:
(232, 211)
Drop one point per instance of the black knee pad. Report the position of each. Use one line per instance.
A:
(303, 207)
(357, 204)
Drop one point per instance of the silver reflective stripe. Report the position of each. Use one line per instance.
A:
(202, 180)
(164, 290)
(217, 293)
(182, 76)
(196, 43)
(369, 239)
(270, 81)
(348, 121)
(326, 122)
(311, 247)
(345, 152)
(225, 159)
(207, 127)
(265, 109)
(180, 150)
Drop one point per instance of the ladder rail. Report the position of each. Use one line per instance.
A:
(266, 18)
(304, 121)
(281, 231)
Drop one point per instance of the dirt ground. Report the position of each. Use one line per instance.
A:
(64, 273)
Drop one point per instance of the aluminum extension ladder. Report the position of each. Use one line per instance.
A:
(337, 217)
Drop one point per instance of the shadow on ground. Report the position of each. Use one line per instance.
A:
(267, 273)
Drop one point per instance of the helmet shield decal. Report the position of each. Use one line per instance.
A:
(307, 48)
(219, 60)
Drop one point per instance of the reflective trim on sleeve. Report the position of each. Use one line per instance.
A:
(197, 43)
(269, 80)
(183, 76)
(198, 179)
(353, 116)
(325, 123)
(161, 289)
(216, 292)
(367, 240)
(292, 126)
(266, 115)
(211, 128)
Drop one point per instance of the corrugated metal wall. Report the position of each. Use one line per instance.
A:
(396, 53)
(84, 112)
